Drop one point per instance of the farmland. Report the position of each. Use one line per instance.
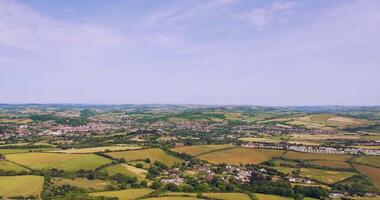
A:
(98, 149)
(239, 155)
(371, 172)
(153, 154)
(21, 185)
(9, 166)
(128, 194)
(84, 183)
(127, 170)
(368, 160)
(325, 176)
(221, 195)
(200, 149)
(331, 164)
(66, 162)
(314, 156)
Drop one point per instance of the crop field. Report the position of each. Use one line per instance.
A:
(66, 162)
(21, 185)
(154, 154)
(258, 139)
(98, 149)
(313, 138)
(315, 156)
(271, 197)
(368, 160)
(331, 163)
(320, 120)
(241, 155)
(9, 166)
(325, 176)
(215, 195)
(285, 170)
(128, 194)
(84, 183)
(19, 150)
(125, 169)
(371, 172)
(200, 149)
(172, 198)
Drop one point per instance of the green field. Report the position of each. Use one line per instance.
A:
(200, 149)
(154, 154)
(284, 170)
(98, 149)
(316, 156)
(371, 172)
(21, 185)
(271, 197)
(128, 194)
(19, 150)
(325, 176)
(84, 183)
(127, 170)
(368, 160)
(9, 166)
(66, 162)
(216, 195)
(331, 163)
(172, 198)
(240, 155)
(144, 164)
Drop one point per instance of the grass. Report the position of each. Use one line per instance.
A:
(9, 166)
(241, 155)
(284, 170)
(66, 162)
(316, 156)
(154, 154)
(172, 198)
(125, 169)
(19, 150)
(21, 185)
(371, 172)
(331, 163)
(200, 149)
(215, 195)
(271, 197)
(84, 183)
(258, 139)
(128, 194)
(144, 164)
(325, 176)
(98, 149)
(368, 160)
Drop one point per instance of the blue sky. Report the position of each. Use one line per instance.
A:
(190, 51)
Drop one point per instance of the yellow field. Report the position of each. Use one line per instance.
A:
(95, 184)
(125, 169)
(368, 160)
(331, 163)
(367, 147)
(128, 194)
(371, 172)
(325, 176)
(316, 156)
(66, 162)
(98, 149)
(313, 121)
(21, 185)
(154, 154)
(284, 170)
(257, 139)
(240, 155)
(9, 166)
(172, 198)
(271, 197)
(216, 195)
(200, 149)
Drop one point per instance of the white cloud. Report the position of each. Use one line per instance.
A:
(257, 16)
(24, 28)
(283, 5)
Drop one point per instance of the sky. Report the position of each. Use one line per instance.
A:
(250, 52)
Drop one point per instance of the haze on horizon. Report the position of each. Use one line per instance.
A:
(191, 51)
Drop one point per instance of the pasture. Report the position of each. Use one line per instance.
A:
(371, 172)
(21, 185)
(66, 162)
(325, 176)
(315, 156)
(153, 154)
(271, 197)
(284, 170)
(368, 160)
(95, 184)
(331, 164)
(26, 150)
(98, 149)
(9, 166)
(200, 149)
(215, 195)
(128, 194)
(127, 170)
(239, 155)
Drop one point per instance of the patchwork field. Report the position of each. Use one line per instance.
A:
(98, 149)
(21, 185)
(9, 166)
(84, 183)
(200, 149)
(154, 154)
(125, 169)
(371, 172)
(241, 155)
(66, 162)
(128, 194)
(331, 163)
(368, 160)
(315, 156)
(325, 176)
